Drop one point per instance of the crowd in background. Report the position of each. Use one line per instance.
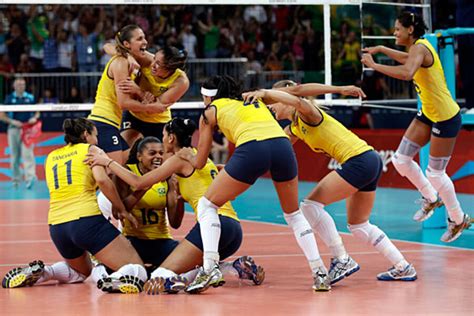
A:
(69, 38)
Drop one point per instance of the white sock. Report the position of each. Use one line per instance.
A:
(162, 272)
(323, 224)
(131, 269)
(98, 272)
(210, 226)
(304, 236)
(61, 272)
(445, 187)
(374, 236)
(190, 275)
(408, 168)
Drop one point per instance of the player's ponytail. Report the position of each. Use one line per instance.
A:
(183, 129)
(407, 19)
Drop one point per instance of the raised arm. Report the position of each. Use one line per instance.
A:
(416, 56)
(398, 56)
(278, 96)
(315, 89)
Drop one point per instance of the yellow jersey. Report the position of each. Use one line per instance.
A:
(330, 137)
(157, 87)
(193, 187)
(150, 212)
(71, 185)
(106, 109)
(241, 123)
(437, 104)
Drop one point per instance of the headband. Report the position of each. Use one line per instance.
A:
(208, 92)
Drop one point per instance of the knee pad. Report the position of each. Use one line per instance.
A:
(313, 211)
(205, 207)
(437, 178)
(402, 163)
(436, 172)
(366, 232)
(65, 274)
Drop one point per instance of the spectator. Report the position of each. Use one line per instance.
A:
(15, 121)
(48, 97)
(65, 51)
(37, 34)
(189, 41)
(74, 96)
(24, 66)
(16, 43)
(51, 51)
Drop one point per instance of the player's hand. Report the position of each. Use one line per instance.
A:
(97, 159)
(121, 214)
(128, 86)
(148, 97)
(252, 96)
(368, 60)
(353, 91)
(186, 153)
(372, 50)
(133, 65)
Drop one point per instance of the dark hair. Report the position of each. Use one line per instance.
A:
(284, 84)
(125, 34)
(174, 58)
(183, 129)
(227, 87)
(139, 146)
(74, 130)
(407, 19)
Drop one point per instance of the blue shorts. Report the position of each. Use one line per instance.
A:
(90, 234)
(444, 129)
(145, 128)
(231, 236)
(153, 251)
(362, 171)
(109, 137)
(252, 159)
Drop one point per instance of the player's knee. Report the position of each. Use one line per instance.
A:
(366, 232)
(437, 178)
(402, 163)
(313, 211)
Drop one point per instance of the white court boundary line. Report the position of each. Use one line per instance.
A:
(33, 241)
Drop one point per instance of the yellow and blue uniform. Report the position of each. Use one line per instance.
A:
(261, 144)
(330, 137)
(438, 108)
(151, 124)
(192, 188)
(152, 239)
(437, 103)
(106, 113)
(76, 222)
(361, 166)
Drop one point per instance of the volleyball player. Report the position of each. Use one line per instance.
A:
(110, 100)
(261, 146)
(192, 184)
(162, 75)
(355, 181)
(76, 224)
(438, 121)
